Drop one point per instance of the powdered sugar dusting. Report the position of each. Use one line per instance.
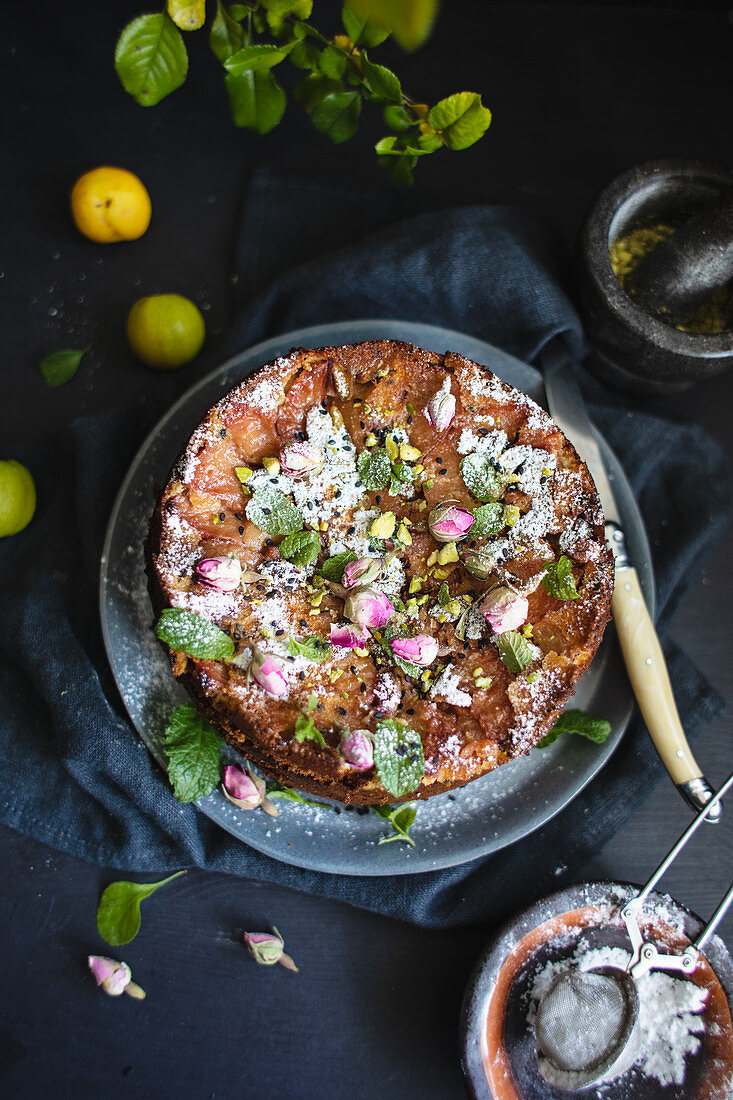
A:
(446, 687)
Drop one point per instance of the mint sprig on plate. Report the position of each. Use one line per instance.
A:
(187, 632)
(577, 721)
(401, 819)
(398, 757)
(192, 747)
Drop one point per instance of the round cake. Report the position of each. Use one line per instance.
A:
(379, 571)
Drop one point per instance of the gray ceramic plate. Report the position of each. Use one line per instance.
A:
(451, 828)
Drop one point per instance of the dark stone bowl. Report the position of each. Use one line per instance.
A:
(632, 349)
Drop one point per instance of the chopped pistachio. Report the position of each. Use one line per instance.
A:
(415, 585)
(429, 483)
(410, 409)
(409, 453)
(371, 440)
(533, 677)
(334, 674)
(418, 468)
(511, 515)
(272, 465)
(546, 471)
(483, 682)
(392, 448)
(266, 633)
(243, 473)
(527, 630)
(404, 535)
(317, 600)
(215, 520)
(383, 372)
(323, 525)
(454, 607)
(383, 526)
(421, 600)
(478, 671)
(448, 554)
(422, 506)
(433, 558)
(411, 606)
(441, 574)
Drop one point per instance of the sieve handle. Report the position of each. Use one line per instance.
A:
(649, 677)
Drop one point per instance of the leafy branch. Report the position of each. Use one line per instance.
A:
(252, 39)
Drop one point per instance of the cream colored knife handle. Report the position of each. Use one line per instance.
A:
(649, 677)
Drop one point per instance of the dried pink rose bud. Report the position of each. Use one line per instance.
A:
(368, 607)
(268, 672)
(246, 790)
(114, 977)
(504, 610)
(299, 459)
(420, 650)
(363, 571)
(222, 574)
(449, 522)
(348, 637)
(357, 749)
(267, 949)
(441, 408)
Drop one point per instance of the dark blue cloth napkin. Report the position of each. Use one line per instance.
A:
(74, 773)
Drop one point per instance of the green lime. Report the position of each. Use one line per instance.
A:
(165, 331)
(17, 497)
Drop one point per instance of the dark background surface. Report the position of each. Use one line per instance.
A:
(579, 94)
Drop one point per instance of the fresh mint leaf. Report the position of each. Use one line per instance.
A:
(333, 568)
(226, 36)
(187, 632)
(306, 730)
(257, 59)
(514, 650)
(256, 100)
(461, 119)
(401, 478)
(288, 794)
(398, 757)
(312, 648)
(337, 115)
(559, 580)
(61, 366)
(375, 469)
(118, 913)
(481, 477)
(301, 548)
(150, 58)
(401, 819)
(360, 30)
(444, 596)
(273, 513)
(577, 721)
(488, 521)
(192, 746)
(383, 84)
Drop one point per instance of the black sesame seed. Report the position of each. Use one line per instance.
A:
(337, 494)
(222, 516)
(269, 595)
(303, 622)
(222, 432)
(441, 472)
(409, 420)
(237, 515)
(353, 670)
(341, 710)
(362, 425)
(351, 530)
(439, 459)
(279, 633)
(269, 542)
(483, 431)
(410, 710)
(241, 530)
(378, 499)
(301, 676)
(273, 481)
(362, 688)
(401, 749)
(267, 511)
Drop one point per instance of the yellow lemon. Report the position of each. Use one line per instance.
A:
(17, 497)
(165, 331)
(110, 204)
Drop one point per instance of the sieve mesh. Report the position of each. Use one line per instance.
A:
(582, 1019)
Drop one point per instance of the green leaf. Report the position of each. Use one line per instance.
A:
(333, 568)
(150, 58)
(398, 757)
(306, 730)
(118, 913)
(238, 11)
(59, 367)
(387, 636)
(332, 62)
(514, 650)
(189, 15)
(273, 513)
(360, 30)
(399, 168)
(312, 648)
(256, 100)
(481, 477)
(382, 83)
(375, 468)
(305, 54)
(309, 92)
(401, 819)
(461, 119)
(277, 12)
(288, 794)
(410, 21)
(395, 145)
(398, 119)
(559, 580)
(256, 59)
(193, 748)
(301, 548)
(187, 632)
(226, 36)
(337, 115)
(577, 721)
(488, 521)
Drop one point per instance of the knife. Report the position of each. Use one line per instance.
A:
(640, 646)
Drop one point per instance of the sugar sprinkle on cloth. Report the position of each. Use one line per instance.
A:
(74, 773)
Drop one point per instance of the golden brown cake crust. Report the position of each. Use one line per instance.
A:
(471, 712)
